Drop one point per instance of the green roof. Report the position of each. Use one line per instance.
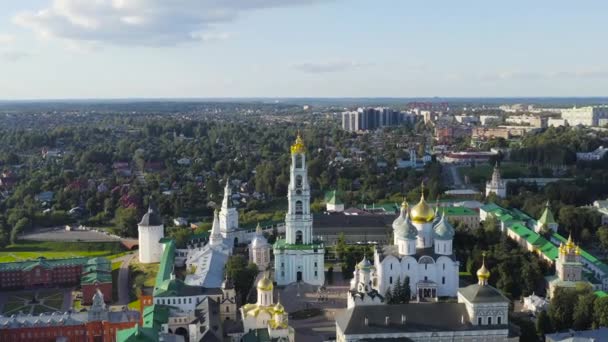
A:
(547, 217)
(155, 315)
(137, 334)
(536, 240)
(166, 263)
(601, 294)
(333, 198)
(101, 277)
(282, 244)
(253, 225)
(41, 261)
(387, 207)
(458, 211)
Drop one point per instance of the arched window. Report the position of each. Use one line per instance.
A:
(299, 209)
(299, 161)
(299, 238)
(299, 182)
(489, 320)
(498, 320)
(478, 320)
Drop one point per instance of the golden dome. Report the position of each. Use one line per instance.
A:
(483, 273)
(279, 308)
(577, 251)
(570, 243)
(422, 212)
(265, 284)
(298, 146)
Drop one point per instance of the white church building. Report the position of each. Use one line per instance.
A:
(421, 251)
(298, 257)
(496, 185)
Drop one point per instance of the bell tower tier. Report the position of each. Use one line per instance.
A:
(298, 258)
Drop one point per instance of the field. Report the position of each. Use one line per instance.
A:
(483, 172)
(47, 301)
(25, 250)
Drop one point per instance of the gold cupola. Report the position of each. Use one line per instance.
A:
(298, 145)
(570, 243)
(422, 212)
(265, 284)
(483, 274)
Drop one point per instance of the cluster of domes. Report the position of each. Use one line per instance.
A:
(421, 213)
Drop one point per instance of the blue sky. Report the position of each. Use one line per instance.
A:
(301, 48)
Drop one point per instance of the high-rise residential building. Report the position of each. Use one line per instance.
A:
(364, 119)
(585, 116)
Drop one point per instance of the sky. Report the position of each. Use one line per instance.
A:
(60, 49)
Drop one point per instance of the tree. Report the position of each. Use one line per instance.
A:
(19, 228)
(388, 296)
(330, 275)
(583, 311)
(600, 309)
(398, 291)
(543, 324)
(562, 308)
(602, 236)
(242, 274)
(406, 291)
(340, 246)
(126, 221)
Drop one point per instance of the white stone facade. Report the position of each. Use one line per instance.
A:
(229, 216)
(298, 257)
(497, 185)
(150, 231)
(259, 250)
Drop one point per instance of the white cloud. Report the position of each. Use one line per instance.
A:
(140, 22)
(13, 56)
(6, 39)
(329, 66)
(546, 75)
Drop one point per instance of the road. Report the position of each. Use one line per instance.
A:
(123, 279)
(453, 177)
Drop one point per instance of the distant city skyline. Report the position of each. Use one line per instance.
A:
(82, 49)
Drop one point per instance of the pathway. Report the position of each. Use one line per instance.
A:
(123, 280)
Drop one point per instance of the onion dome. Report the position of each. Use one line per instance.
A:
(298, 146)
(364, 264)
(278, 308)
(444, 229)
(483, 274)
(265, 284)
(259, 240)
(411, 232)
(401, 218)
(422, 212)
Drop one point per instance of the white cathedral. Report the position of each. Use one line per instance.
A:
(421, 251)
(298, 257)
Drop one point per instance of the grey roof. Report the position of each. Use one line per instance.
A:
(386, 250)
(337, 222)
(600, 334)
(443, 230)
(482, 294)
(152, 217)
(445, 317)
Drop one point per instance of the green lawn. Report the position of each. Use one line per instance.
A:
(483, 172)
(52, 300)
(13, 307)
(52, 250)
(116, 265)
(76, 305)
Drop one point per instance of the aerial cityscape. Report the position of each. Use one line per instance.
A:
(273, 171)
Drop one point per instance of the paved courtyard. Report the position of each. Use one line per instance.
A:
(331, 300)
(60, 234)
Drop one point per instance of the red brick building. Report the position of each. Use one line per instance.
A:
(96, 275)
(96, 325)
(41, 272)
